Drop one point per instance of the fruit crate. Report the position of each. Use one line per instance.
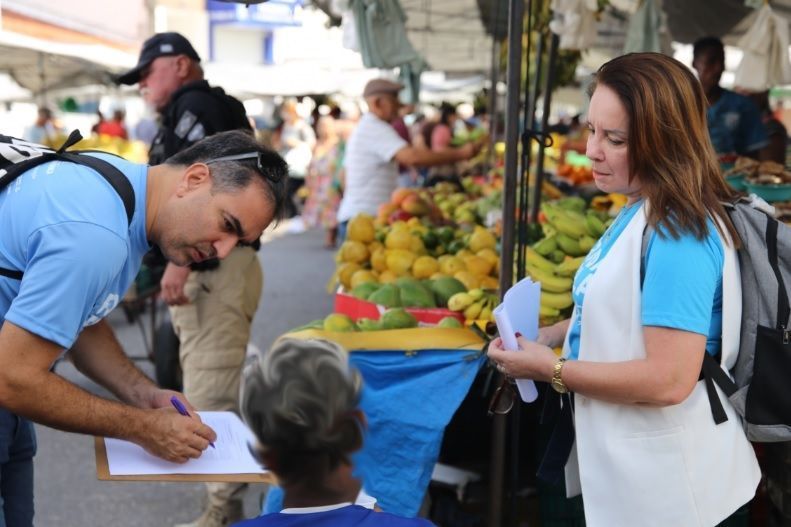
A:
(356, 309)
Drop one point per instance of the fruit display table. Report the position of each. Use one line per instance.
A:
(415, 380)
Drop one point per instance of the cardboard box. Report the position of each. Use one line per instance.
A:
(356, 309)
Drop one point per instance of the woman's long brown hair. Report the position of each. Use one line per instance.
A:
(669, 148)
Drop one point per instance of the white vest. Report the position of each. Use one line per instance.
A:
(648, 466)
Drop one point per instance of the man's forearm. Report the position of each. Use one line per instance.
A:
(28, 388)
(98, 354)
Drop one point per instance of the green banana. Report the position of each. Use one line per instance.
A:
(536, 260)
(556, 300)
(569, 267)
(594, 225)
(569, 245)
(550, 282)
(586, 243)
(557, 256)
(545, 245)
(573, 228)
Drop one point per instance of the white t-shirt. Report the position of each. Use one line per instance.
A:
(371, 172)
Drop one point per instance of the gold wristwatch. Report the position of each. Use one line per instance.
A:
(557, 380)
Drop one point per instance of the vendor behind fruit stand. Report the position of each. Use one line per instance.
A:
(734, 121)
(374, 151)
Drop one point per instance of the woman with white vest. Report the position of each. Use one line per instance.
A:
(646, 449)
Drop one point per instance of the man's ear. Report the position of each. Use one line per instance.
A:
(183, 66)
(194, 176)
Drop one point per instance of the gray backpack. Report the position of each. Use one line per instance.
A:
(760, 390)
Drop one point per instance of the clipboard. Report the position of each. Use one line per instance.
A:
(103, 473)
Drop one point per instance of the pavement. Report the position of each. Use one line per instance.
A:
(296, 270)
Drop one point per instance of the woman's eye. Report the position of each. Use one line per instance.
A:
(615, 142)
(228, 226)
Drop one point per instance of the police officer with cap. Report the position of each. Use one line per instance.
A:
(211, 305)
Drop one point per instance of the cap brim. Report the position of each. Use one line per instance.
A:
(132, 76)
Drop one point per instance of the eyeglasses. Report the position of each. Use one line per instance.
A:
(259, 158)
(504, 397)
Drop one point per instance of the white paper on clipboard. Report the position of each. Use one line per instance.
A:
(519, 313)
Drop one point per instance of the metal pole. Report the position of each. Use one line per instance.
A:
(516, 13)
(527, 135)
(553, 56)
(493, 117)
(495, 76)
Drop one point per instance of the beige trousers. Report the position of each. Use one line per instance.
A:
(213, 331)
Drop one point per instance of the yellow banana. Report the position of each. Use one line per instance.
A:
(476, 293)
(550, 282)
(486, 313)
(564, 224)
(473, 310)
(556, 300)
(544, 311)
(460, 301)
(538, 261)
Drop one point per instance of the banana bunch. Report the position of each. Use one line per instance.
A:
(556, 281)
(476, 304)
(571, 230)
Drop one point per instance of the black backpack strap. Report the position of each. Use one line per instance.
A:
(783, 310)
(110, 173)
(114, 177)
(712, 373)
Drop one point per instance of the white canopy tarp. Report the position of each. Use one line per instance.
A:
(40, 66)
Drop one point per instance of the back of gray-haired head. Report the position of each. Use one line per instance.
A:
(300, 401)
(231, 176)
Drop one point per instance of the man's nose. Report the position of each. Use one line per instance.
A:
(225, 246)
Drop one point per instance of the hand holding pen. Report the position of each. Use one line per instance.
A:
(183, 411)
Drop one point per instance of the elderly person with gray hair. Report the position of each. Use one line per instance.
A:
(301, 400)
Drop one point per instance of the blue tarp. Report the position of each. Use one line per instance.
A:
(408, 400)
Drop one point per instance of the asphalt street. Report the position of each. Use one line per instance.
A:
(296, 270)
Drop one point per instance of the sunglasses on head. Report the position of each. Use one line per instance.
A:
(258, 156)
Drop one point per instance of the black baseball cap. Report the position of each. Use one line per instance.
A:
(160, 45)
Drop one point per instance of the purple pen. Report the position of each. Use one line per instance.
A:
(183, 411)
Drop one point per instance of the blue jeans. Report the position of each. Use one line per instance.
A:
(17, 448)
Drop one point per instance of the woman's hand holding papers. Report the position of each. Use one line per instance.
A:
(534, 361)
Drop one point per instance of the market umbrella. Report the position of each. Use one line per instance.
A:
(765, 62)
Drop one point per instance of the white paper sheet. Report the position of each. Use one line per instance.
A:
(231, 455)
(519, 313)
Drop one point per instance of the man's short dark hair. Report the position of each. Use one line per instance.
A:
(708, 45)
(227, 176)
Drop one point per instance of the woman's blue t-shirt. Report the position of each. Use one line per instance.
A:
(682, 287)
